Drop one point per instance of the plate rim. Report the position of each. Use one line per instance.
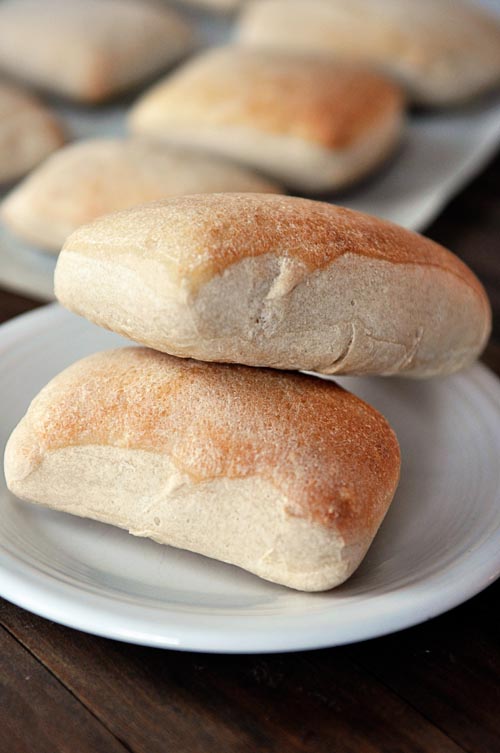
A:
(66, 604)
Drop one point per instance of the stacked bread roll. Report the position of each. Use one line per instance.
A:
(206, 442)
(206, 437)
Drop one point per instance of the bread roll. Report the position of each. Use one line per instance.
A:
(443, 51)
(28, 132)
(89, 50)
(310, 123)
(270, 280)
(285, 475)
(94, 177)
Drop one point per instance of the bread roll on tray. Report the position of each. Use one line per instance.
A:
(285, 475)
(93, 177)
(269, 280)
(28, 132)
(443, 52)
(309, 122)
(89, 50)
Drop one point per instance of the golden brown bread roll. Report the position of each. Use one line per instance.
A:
(285, 475)
(89, 50)
(311, 123)
(270, 280)
(442, 51)
(89, 178)
(28, 132)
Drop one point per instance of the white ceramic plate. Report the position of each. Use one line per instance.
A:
(441, 152)
(439, 545)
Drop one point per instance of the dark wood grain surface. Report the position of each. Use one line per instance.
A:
(434, 688)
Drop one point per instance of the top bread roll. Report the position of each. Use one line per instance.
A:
(28, 132)
(443, 51)
(89, 50)
(269, 280)
(308, 122)
(97, 176)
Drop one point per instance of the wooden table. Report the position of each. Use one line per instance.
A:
(431, 689)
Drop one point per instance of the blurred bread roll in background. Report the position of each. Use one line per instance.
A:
(93, 177)
(269, 280)
(308, 122)
(89, 50)
(443, 51)
(285, 475)
(28, 132)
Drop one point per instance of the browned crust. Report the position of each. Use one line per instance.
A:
(303, 95)
(202, 235)
(333, 457)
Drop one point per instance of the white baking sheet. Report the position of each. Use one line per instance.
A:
(441, 152)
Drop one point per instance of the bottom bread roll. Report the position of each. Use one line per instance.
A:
(285, 475)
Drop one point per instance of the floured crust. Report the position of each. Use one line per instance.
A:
(90, 178)
(299, 452)
(89, 50)
(28, 132)
(442, 51)
(269, 280)
(284, 114)
(199, 236)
